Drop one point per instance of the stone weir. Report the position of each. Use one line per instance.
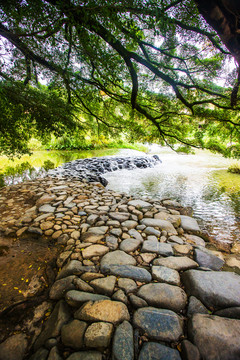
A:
(92, 169)
(135, 280)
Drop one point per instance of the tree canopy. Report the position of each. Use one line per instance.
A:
(149, 68)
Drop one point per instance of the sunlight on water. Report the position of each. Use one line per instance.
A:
(200, 181)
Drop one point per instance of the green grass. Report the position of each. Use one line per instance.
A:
(234, 168)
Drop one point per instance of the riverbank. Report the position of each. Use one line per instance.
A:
(116, 277)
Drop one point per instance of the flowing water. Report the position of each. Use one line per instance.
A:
(200, 181)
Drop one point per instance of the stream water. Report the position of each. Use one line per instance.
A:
(200, 181)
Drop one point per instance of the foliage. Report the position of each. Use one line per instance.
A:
(48, 164)
(145, 70)
(234, 168)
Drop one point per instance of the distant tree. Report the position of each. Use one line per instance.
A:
(147, 67)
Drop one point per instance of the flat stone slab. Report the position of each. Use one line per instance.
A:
(159, 324)
(47, 208)
(163, 296)
(123, 347)
(129, 245)
(75, 267)
(127, 271)
(165, 274)
(190, 224)
(94, 250)
(161, 224)
(105, 310)
(119, 216)
(89, 237)
(157, 247)
(215, 289)
(117, 257)
(140, 204)
(215, 337)
(176, 262)
(157, 351)
(208, 260)
(76, 298)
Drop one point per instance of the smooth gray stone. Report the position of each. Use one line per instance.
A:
(163, 296)
(165, 274)
(86, 355)
(52, 327)
(98, 230)
(208, 260)
(175, 239)
(77, 298)
(116, 232)
(135, 234)
(129, 271)
(119, 295)
(195, 240)
(215, 289)
(112, 242)
(104, 285)
(129, 224)
(157, 247)
(129, 245)
(137, 302)
(159, 324)
(123, 342)
(75, 267)
(140, 204)
(14, 347)
(161, 224)
(154, 351)
(196, 307)
(189, 224)
(119, 216)
(215, 337)
(232, 313)
(47, 208)
(128, 285)
(151, 231)
(176, 262)
(60, 287)
(189, 351)
(40, 354)
(117, 257)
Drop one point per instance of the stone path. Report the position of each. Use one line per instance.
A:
(136, 281)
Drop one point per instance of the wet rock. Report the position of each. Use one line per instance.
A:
(195, 306)
(72, 334)
(104, 310)
(156, 351)
(163, 296)
(174, 219)
(14, 347)
(120, 296)
(60, 287)
(159, 324)
(161, 224)
(123, 342)
(130, 245)
(62, 258)
(98, 335)
(128, 271)
(176, 262)
(54, 354)
(40, 354)
(195, 240)
(215, 337)
(104, 285)
(190, 224)
(117, 257)
(158, 248)
(94, 250)
(76, 298)
(59, 317)
(35, 230)
(82, 285)
(215, 289)
(165, 274)
(208, 260)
